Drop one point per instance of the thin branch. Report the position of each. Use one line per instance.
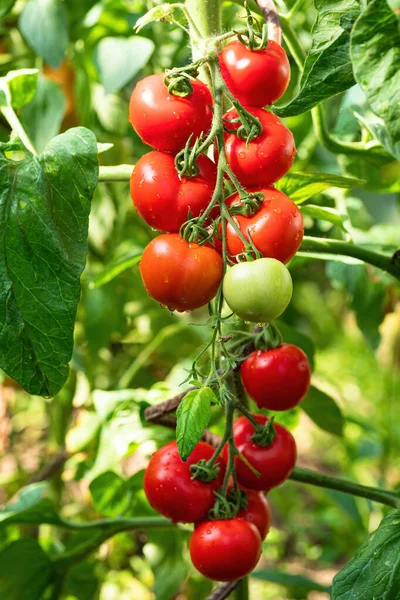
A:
(223, 591)
(52, 468)
(154, 413)
(271, 15)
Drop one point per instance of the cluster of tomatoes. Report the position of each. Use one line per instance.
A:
(227, 549)
(184, 275)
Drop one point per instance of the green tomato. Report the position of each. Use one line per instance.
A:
(259, 290)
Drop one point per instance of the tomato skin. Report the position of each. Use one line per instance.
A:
(274, 462)
(258, 291)
(276, 229)
(225, 550)
(163, 198)
(178, 274)
(165, 121)
(257, 512)
(266, 158)
(277, 379)
(170, 489)
(255, 77)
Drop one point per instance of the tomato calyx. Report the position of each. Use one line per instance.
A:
(249, 204)
(178, 81)
(204, 471)
(268, 338)
(265, 435)
(226, 506)
(255, 37)
(250, 126)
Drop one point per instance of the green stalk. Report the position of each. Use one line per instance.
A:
(207, 14)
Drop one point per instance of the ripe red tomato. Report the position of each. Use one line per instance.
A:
(225, 550)
(274, 462)
(255, 77)
(257, 512)
(166, 121)
(265, 159)
(169, 486)
(163, 198)
(178, 274)
(276, 228)
(276, 379)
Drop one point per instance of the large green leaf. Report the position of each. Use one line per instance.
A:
(25, 571)
(30, 508)
(19, 87)
(110, 494)
(375, 53)
(193, 415)
(44, 24)
(44, 211)
(374, 572)
(302, 186)
(327, 70)
(323, 410)
(5, 6)
(120, 59)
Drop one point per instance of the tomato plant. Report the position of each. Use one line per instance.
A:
(257, 269)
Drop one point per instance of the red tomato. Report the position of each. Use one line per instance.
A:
(178, 274)
(166, 121)
(225, 550)
(169, 486)
(255, 77)
(276, 228)
(163, 198)
(274, 462)
(257, 512)
(277, 379)
(265, 159)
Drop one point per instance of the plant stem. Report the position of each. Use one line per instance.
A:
(16, 126)
(242, 590)
(207, 14)
(116, 173)
(348, 487)
(338, 247)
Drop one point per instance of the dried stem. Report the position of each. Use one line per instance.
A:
(270, 14)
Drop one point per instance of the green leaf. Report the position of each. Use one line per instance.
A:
(112, 270)
(44, 211)
(110, 494)
(30, 508)
(25, 571)
(367, 296)
(19, 86)
(325, 214)
(120, 59)
(302, 186)
(44, 25)
(323, 410)
(162, 12)
(375, 53)
(111, 110)
(193, 416)
(299, 582)
(327, 70)
(291, 335)
(6, 6)
(43, 116)
(374, 572)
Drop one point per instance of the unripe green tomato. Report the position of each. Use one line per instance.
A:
(259, 290)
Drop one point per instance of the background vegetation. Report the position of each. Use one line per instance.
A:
(82, 453)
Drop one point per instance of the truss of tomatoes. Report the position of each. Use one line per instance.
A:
(184, 275)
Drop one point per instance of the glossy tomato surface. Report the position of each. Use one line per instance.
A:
(276, 229)
(165, 121)
(170, 489)
(277, 379)
(258, 291)
(225, 550)
(274, 462)
(178, 274)
(264, 159)
(257, 512)
(163, 198)
(255, 77)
